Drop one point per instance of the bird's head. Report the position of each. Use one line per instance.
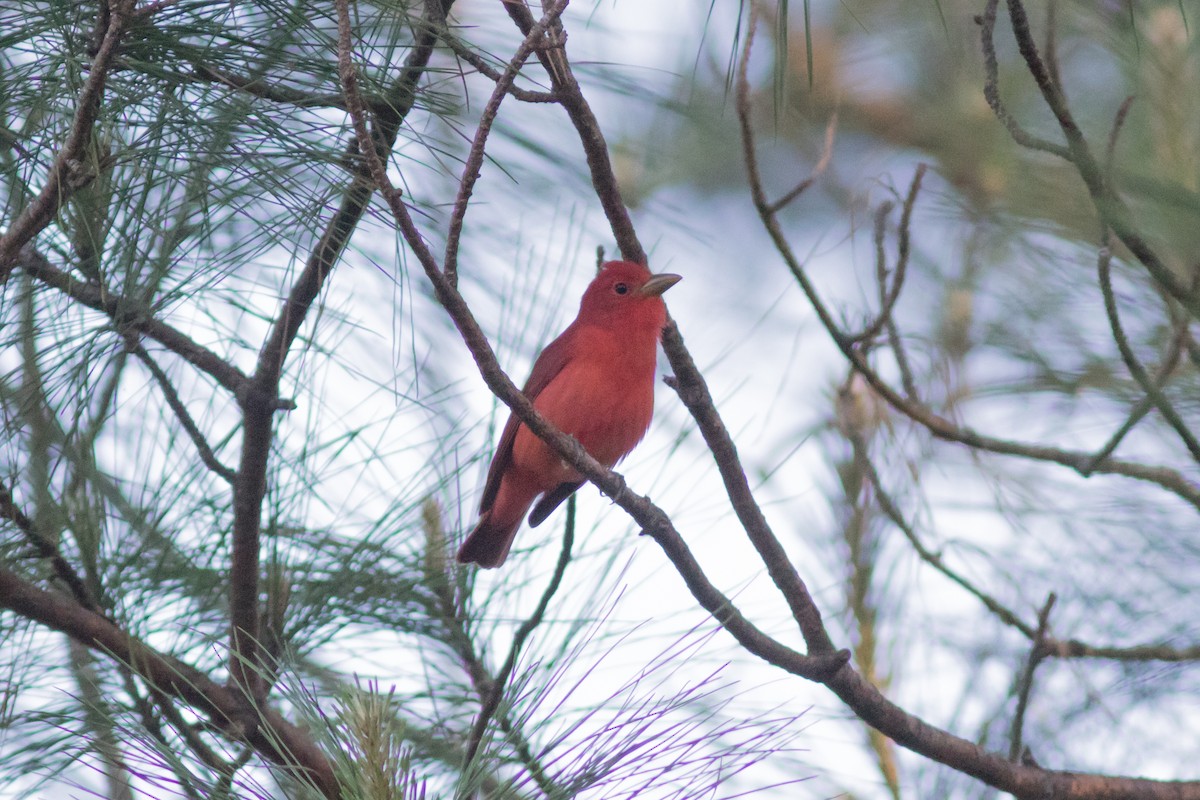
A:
(627, 294)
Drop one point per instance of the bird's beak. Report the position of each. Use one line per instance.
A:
(659, 283)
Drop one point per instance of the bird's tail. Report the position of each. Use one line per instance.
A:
(489, 543)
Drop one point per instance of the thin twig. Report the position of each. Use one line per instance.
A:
(1143, 406)
(1149, 386)
(818, 170)
(889, 508)
(481, 66)
(595, 149)
(261, 88)
(474, 160)
(1115, 133)
(890, 294)
(207, 456)
(1073, 648)
(1025, 687)
(1052, 45)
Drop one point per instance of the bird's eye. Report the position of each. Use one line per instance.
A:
(621, 288)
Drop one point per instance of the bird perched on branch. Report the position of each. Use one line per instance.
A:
(594, 382)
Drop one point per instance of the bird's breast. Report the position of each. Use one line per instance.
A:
(603, 396)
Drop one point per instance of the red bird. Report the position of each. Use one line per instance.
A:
(595, 382)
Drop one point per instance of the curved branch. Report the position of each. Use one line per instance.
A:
(1112, 210)
(474, 161)
(595, 149)
(175, 403)
(1148, 384)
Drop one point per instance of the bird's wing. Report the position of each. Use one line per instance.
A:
(552, 500)
(545, 369)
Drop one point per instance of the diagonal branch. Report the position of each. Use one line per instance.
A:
(474, 162)
(892, 511)
(129, 315)
(480, 64)
(66, 174)
(595, 149)
(175, 403)
(264, 729)
(47, 550)
(1148, 384)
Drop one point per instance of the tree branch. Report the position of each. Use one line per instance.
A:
(1148, 384)
(264, 729)
(1016, 749)
(67, 174)
(129, 315)
(1108, 204)
(570, 97)
(938, 426)
(207, 456)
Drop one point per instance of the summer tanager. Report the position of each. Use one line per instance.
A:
(595, 382)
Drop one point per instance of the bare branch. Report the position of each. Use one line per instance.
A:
(889, 507)
(1149, 386)
(889, 295)
(595, 149)
(474, 161)
(276, 93)
(991, 89)
(480, 65)
(181, 413)
(818, 170)
(652, 519)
